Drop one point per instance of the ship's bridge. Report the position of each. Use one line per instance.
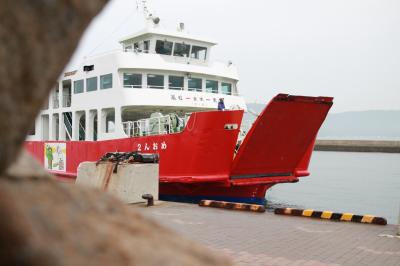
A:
(175, 46)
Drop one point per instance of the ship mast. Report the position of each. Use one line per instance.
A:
(150, 19)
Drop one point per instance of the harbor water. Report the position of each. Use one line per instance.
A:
(355, 182)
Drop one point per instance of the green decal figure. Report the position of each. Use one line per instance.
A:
(49, 156)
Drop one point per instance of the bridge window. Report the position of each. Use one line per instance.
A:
(226, 88)
(198, 52)
(106, 81)
(91, 84)
(128, 48)
(146, 46)
(155, 81)
(181, 49)
(212, 86)
(175, 83)
(78, 86)
(194, 84)
(132, 80)
(164, 47)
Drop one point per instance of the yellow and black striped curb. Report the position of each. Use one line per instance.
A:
(348, 217)
(232, 205)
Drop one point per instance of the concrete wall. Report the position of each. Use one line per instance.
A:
(129, 183)
(358, 145)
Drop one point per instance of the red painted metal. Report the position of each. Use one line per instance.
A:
(199, 162)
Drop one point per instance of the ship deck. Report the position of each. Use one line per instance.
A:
(268, 239)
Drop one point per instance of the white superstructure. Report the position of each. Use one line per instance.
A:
(154, 72)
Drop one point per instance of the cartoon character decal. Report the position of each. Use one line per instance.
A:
(55, 156)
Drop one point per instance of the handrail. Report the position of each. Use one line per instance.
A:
(176, 88)
(133, 86)
(155, 87)
(65, 126)
(152, 126)
(81, 127)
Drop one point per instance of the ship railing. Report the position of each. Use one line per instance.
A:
(176, 88)
(151, 126)
(155, 87)
(133, 86)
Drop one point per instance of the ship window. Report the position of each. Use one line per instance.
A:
(128, 48)
(163, 47)
(78, 86)
(181, 49)
(132, 80)
(146, 46)
(212, 86)
(198, 52)
(226, 88)
(106, 81)
(175, 83)
(32, 129)
(91, 84)
(194, 84)
(155, 81)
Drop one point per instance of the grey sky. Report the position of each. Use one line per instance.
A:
(349, 49)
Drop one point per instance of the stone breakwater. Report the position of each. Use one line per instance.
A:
(387, 146)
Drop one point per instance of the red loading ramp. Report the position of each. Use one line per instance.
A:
(279, 141)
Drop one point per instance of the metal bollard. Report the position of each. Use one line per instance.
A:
(149, 198)
(398, 224)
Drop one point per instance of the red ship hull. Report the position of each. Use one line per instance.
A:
(200, 162)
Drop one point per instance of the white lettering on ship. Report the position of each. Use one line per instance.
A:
(155, 146)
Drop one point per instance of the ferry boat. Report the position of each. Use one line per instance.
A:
(159, 94)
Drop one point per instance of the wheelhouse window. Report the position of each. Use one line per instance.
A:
(91, 84)
(212, 86)
(106, 81)
(146, 46)
(132, 80)
(226, 88)
(194, 84)
(175, 83)
(155, 81)
(128, 48)
(78, 86)
(198, 52)
(164, 47)
(181, 49)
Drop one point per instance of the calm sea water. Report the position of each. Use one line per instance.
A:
(359, 183)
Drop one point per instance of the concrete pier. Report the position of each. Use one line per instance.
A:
(250, 238)
(358, 145)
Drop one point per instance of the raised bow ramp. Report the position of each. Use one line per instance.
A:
(278, 147)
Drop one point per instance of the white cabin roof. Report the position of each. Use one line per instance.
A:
(162, 32)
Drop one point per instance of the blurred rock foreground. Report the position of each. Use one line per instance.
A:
(45, 222)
